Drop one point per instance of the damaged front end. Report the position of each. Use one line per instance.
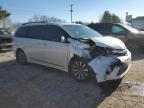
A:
(110, 67)
(106, 62)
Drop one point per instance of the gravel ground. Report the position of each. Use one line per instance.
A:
(35, 86)
(130, 93)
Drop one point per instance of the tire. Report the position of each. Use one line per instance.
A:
(80, 70)
(21, 57)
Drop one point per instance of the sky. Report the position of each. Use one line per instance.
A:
(84, 10)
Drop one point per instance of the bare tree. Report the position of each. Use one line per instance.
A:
(44, 18)
(6, 22)
(4, 17)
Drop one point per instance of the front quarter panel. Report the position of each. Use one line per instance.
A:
(101, 64)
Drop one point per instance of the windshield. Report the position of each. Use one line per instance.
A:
(130, 28)
(81, 31)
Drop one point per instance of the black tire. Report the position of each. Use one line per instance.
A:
(80, 70)
(21, 57)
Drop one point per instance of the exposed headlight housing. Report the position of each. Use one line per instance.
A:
(101, 51)
(117, 52)
(97, 51)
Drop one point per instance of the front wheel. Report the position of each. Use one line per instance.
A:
(80, 70)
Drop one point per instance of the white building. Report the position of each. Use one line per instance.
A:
(137, 22)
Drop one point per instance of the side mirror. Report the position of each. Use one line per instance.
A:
(63, 39)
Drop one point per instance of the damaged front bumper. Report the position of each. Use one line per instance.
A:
(110, 67)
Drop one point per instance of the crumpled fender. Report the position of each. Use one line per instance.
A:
(101, 63)
(78, 48)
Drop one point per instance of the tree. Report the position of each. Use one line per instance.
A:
(44, 18)
(6, 22)
(4, 14)
(115, 19)
(110, 18)
(82, 22)
(79, 22)
(107, 17)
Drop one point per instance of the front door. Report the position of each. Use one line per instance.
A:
(54, 52)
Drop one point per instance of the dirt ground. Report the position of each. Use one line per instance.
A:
(125, 96)
(34, 86)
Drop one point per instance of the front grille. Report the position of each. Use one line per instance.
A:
(112, 66)
(122, 69)
(5, 40)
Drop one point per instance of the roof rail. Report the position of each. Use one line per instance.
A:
(33, 22)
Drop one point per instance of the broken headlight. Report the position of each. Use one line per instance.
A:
(97, 51)
(101, 51)
(120, 52)
(117, 52)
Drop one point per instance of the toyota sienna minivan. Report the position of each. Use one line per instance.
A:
(73, 48)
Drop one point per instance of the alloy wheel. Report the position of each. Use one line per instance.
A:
(80, 70)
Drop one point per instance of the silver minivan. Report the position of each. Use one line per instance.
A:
(73, 48)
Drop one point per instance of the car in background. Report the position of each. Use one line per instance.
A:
(140, 28)
(72, 48)
(133, 38)
(6, 39)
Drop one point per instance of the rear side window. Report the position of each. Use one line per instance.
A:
(101, 27)
(21, 32)
(28, 32)
(42, 32)
(35, 32)
(104, 27)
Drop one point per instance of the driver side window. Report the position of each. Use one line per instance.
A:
(53, 33)
(117, 29)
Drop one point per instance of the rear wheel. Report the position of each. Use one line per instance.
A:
(21, 57)
(80, 70)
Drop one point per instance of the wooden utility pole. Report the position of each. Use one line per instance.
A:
(71, 11)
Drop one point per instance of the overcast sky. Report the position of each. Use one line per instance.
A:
(84, 10)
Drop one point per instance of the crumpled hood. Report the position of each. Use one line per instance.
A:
(109, 42)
